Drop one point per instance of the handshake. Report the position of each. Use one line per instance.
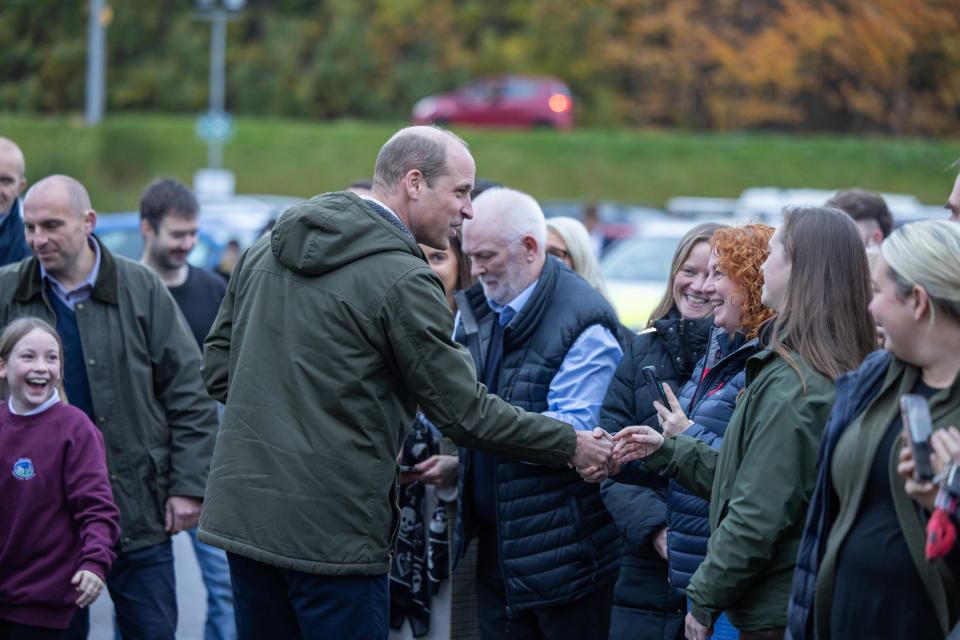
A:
(600, 455)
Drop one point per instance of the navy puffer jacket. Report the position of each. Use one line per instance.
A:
(708, 398)
(557, 541)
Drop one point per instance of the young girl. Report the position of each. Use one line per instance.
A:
(58, 521)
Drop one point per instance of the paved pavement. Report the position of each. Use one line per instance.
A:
(191, 598)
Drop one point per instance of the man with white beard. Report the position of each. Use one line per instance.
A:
(544, 340)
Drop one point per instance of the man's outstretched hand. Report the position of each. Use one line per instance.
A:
(592, 458)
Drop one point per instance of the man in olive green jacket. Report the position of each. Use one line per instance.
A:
(132, 365)
(333, 331)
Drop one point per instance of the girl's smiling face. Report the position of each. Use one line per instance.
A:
(32, 370)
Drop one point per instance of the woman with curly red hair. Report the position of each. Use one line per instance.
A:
(733, 287)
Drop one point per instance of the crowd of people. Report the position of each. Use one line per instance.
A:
(411, 411)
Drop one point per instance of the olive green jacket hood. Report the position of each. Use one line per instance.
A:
(333, 230)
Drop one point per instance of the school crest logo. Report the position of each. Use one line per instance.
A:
(23, 469)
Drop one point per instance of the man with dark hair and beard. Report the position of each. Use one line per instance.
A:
(168, 222)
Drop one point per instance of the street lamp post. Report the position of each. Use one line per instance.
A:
(216, 126)
(100, 18)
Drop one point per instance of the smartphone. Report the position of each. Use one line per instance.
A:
(916, 420)
(656, 387)
(407, 467)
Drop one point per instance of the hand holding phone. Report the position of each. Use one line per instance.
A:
(915, 414)
(654, 384)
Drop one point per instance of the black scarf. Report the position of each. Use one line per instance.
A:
(422, 555)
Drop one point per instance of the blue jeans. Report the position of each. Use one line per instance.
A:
(282, 603)
(221, 624)
(144, 594)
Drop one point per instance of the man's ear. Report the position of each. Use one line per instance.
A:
(23, 185)
(145, 229)
(531, 247)
(89, 220)
(413, 183)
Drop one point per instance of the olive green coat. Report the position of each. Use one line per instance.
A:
(333, 331)
(854, 455)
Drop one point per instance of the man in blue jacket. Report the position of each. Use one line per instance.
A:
(13, 243)
(543, 340)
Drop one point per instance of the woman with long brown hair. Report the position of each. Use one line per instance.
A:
(817, 280)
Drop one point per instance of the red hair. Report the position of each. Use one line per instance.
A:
(741, 251)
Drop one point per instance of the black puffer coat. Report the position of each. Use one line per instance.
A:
(645, 605)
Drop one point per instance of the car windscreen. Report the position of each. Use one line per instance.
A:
(640, 258)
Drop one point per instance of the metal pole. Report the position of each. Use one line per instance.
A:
(218, 54)
(96, 65)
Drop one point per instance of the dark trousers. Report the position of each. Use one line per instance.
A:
(585, 619)
(17, 631)
(282, 603)
(775, 633)
(144, 594)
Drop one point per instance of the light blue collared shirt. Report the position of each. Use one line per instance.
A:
(52, 400)
(577, 389)
(82, 291)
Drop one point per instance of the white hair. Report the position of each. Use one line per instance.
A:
(577, 239)
(514, 213)
(927, 253)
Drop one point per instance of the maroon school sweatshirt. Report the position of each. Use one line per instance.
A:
(57, 514)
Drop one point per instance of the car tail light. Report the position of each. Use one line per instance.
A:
(559, 103)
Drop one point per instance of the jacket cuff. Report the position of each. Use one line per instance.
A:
(185, 489)
(704, 615)
(659, 458)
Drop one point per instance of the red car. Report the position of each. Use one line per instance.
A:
(503, 100)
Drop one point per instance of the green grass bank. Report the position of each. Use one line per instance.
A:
(297, 157)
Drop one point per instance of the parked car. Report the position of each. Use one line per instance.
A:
(238, 217)
(766, 203)
(501, 100)
(614, 220)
